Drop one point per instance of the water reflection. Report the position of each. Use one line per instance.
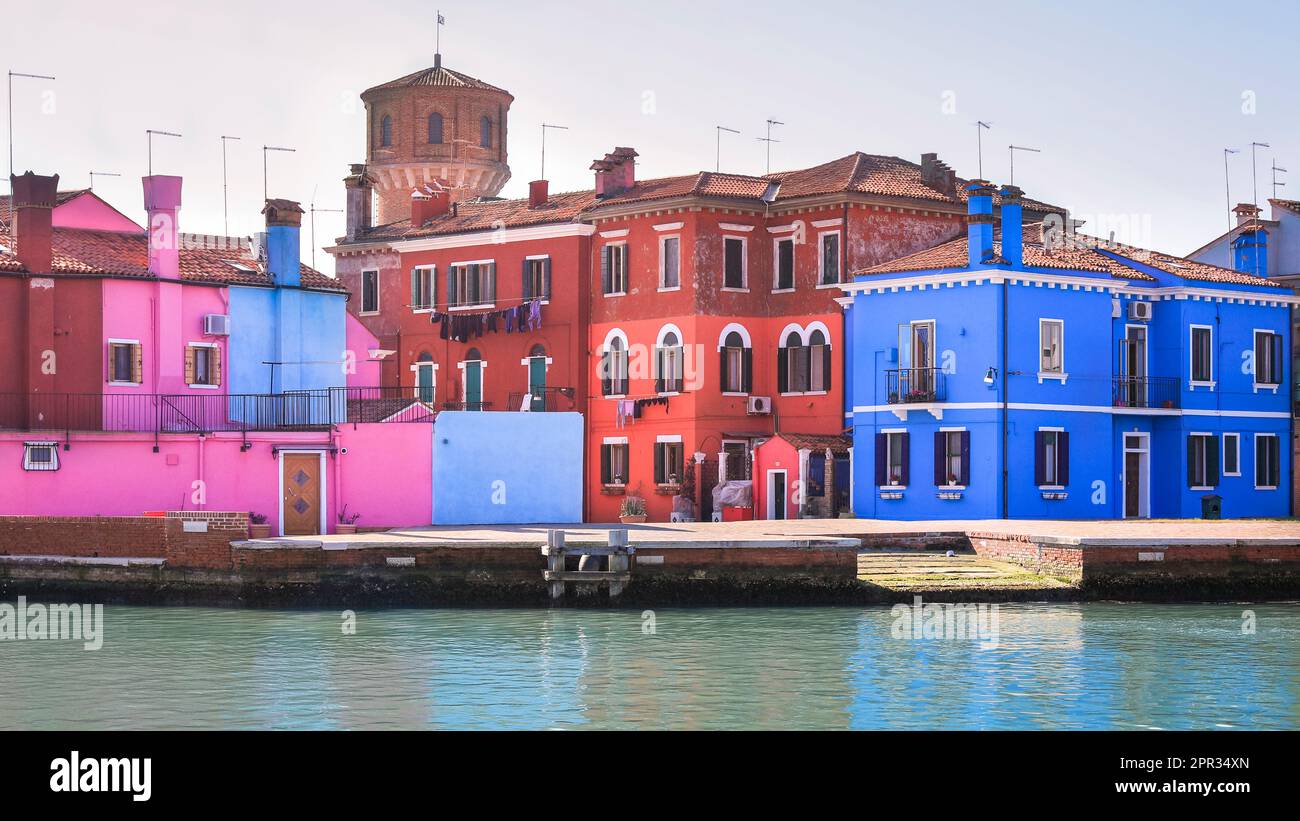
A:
(1054, 666)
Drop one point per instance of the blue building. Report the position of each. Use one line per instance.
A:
(1030, 372)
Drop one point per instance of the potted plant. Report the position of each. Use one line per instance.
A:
(632, 511)
(258, 527)
(347, 521)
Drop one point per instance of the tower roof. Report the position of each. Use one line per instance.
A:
(437, 75)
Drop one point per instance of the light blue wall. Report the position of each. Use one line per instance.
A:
(290, 325)
(507, 468)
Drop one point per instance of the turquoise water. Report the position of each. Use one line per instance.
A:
(1057, 666)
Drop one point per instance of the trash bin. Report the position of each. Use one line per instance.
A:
(1212, 506)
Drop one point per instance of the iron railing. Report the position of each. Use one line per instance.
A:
(1145, 392)
(912, 385)
(467, 406)
(543, 399)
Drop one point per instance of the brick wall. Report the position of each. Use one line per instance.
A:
(1057, 560)
(147, 537)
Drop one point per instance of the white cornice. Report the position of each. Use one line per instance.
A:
(469, 239)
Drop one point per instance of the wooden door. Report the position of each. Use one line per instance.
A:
(1132, 484)
(301, 506)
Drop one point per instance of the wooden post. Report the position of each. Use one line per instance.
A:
(555, 560)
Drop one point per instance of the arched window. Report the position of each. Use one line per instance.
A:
(386, 131)
(669, 375)
(536, 364)
(792, 364)
(485, 132)
(435, 128)
(473, 380)
(737, 363)
(613, 366)
(819, 361)
(425, 373)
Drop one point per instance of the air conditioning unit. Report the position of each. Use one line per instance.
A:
(758, 405)
(216, 325)
(1140, 310)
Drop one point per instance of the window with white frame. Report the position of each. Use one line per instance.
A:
(613, 269)
(613, 368)
(369, 292)
(1268, 358)
(669, 356)
(1051, 458)
(1231, 454)
(537, 278)
(1268, 465)
(670, 263)
(829, 254)
(669, 462)
(1202, 461)
(1202, 353)
(792, 362)
(422, 287)
(40, 456)
(471, 284)
(734, 273)
(613, 462)
(819, 362)
(952, 458)
(124, 362)
(737, 367)
(891, 458)
(1051, 339)
(783, 265)
(202, 365)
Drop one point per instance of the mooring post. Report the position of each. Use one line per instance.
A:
(555, 560)
(618, 561)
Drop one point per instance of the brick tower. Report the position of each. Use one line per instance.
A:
(435, 124)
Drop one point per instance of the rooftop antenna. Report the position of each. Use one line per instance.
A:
(980, 125)
(1227, 189)
(12, 75)
(1277, 168)
(314, 211)
(151, 132)
(94, 174)
(768, 139)
(1012, 149)
(1254, 193)
(265, 149)
(225, 209)
(437, 39)
(722, 128)
(544, 127)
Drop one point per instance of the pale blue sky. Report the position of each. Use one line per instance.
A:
(1131, 104)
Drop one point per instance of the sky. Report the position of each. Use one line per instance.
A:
(1131, 105)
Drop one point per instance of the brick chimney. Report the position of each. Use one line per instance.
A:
(433, 201)
(283, 242)
(538, 193)
(360, 191)
(1013, 226)
(936, 174)
(162, 200)
(979, 221)
(616, 172)
(34, 198)
(1246, 212)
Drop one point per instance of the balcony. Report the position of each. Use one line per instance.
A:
(543, 400)
(914, 386)
(1145, 392)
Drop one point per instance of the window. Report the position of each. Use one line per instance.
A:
(792, 365)
(1051, 343)
(951, 458)
(1231, 454)
(613, 269)
(819, 362)
(124, 362)
(1202, 354)
(668, 463)
(471, 284)
(783, 276)
(369, 292)
(472, 388)
(830, 259)
(485, 132)
(435, 128)
(537, 278)
(1202, 461)
(891, 459)
(40, 455)
(613, 368)
(613, 463)
(669, 376)
(386, 131)
(1268, 466)
(422, 282)
(670, 263)
(738, 465)
(733, 265)
(426, 374)
(737, 364)
(1268, 358)
(202, 365)
(1051, 458)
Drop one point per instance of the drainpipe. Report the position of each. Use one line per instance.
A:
(1006, 478)
(203, 483)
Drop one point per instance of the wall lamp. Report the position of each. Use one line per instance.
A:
(990, 375)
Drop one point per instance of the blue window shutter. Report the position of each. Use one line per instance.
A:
(940, 474)
(1040, 458)
(907, 457)
(1063, 458)
(881, 445)
(965, 458)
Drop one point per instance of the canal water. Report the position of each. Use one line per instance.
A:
(1049, 666)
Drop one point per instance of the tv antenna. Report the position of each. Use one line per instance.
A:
(721, 128)
(980, 125)
(225, 209)
(12, 75)
(1277, 168)
(768, 139)
(1254, 193)
(544, 127)
(94, 174)
(314, 211)
(1012, 149)
(265, 150)
(1227, 188)
(151, 132)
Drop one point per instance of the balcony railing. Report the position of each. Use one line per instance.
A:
(543, 399)
(906, 386)
(467, 406)
(1145, 391)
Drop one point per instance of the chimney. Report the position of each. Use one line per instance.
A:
(283, 243)
(936, 174)
(162, 200)
(33, 201)
(538, 193)
(615, 173)
(1246, 212)
(360, 189)
(627, 164)
(1013, 226)
(979, 221)
(1250, 251)
(433, 201)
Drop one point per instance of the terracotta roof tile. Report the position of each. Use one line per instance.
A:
(1290, 205)
(436, 76)
(838, 444)
(486, 215)
(6, 210)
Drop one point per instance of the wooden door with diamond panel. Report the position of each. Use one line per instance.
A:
(302, 496)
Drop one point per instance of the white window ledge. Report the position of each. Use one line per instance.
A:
(1053, 376)
(725, 289)
(663, 289)
(478, 307)
(615, 293)
(204, 387)
(783, 290)
(1266, 386)
(1193, 385)
(125, 384)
